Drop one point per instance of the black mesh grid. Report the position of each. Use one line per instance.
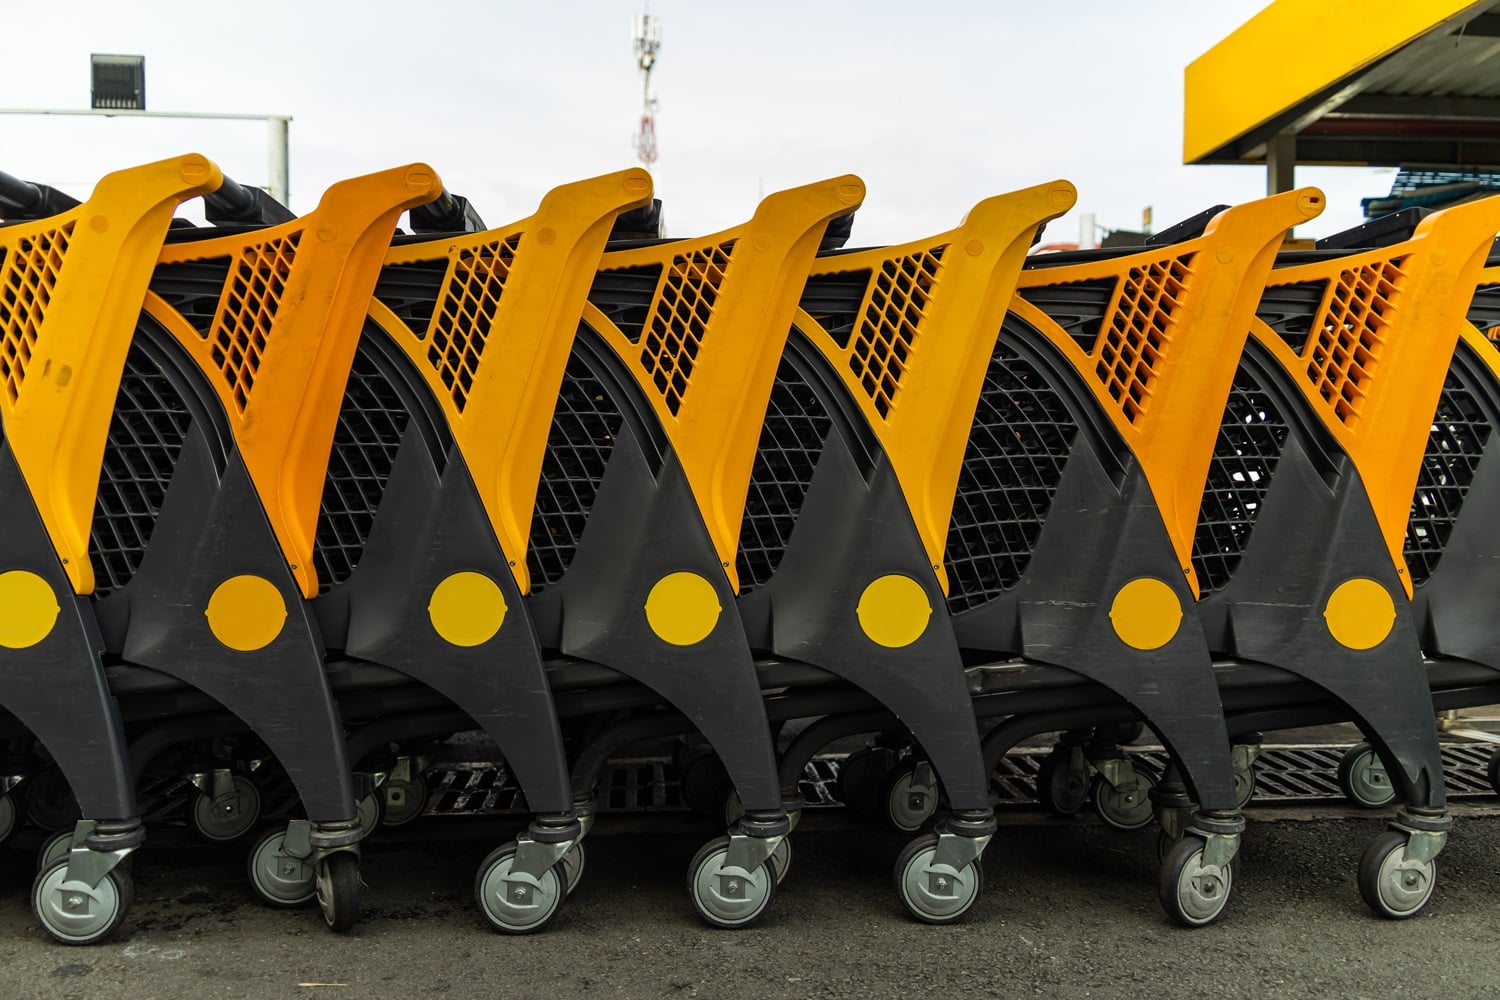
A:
(625, 296)
(834, 301)
(1252, 433)
(193, 288)
(1078, 307)
(411, 291)
(582, 438)
(1291, 309)
(371, 422)
(1460, 430)
(146, 433)
(1017, 450)
(791, 441)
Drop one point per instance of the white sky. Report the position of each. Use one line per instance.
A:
(935, 105)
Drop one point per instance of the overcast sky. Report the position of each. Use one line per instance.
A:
(936, 105)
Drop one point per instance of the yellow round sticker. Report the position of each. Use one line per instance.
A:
(893, 611)
(683, 608)
(467, 609)
(246, 613)
(28, 609)
(1146, 613)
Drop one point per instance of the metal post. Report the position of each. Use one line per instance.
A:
(279, 167)
(1281, 162)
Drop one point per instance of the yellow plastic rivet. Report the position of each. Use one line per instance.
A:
(99, 224)
(1439, 258)
(762, 241)
(193, 168)
(1225, 255)
(850, 192)
(682, 608)
(28, 609)
(246, 613)
(894, 611)
(419, 179)
(1146, 613)
(1062, 194)
(546, 236)
(327, 233)
(467, 609)
(974, 247)
(635, 182)
(1360, 613)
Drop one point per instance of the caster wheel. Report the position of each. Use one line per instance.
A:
(49, 801)
(223, 820)
(370, 810)
(733, 810)
(55, 848)
(1244, 785)
(1394, 888)
(1192, 893)
(9, 818)
(781, 859)
(75, 914)
(336, 886)
(278, 878)
(907, 806)
(517, 907)
(860, 778)
(935, 896)
(405, 801)
(1124, 808)
(1164, 844)
(1061, 790)
(572, 865)
(1494, 771)
(1362, 778)
(728, 899)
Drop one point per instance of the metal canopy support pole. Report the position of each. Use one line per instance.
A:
(1281, 162)
(277, 148)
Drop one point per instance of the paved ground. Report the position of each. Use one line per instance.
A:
(1069, 910)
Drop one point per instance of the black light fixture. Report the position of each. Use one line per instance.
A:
(119, 82)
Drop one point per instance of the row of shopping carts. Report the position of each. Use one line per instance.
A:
(305, 493)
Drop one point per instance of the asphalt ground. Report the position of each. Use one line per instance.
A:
(1069, 909)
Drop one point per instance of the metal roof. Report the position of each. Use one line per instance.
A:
(1377, 82)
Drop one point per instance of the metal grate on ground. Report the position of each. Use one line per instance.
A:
(1300, 774)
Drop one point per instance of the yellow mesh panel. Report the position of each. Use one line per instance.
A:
(684, 304)
(27, 277)
(895, 304)
(247, 311)
(466, 315)
(1342, 355)
(1140, 327)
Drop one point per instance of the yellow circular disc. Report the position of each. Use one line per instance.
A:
(246, 613)
(467, 609)
(28, 609)
(1146, 613)
(682, 608)
(1360, 613)
(893, 611)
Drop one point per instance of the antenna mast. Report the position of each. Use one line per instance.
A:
(647, 42)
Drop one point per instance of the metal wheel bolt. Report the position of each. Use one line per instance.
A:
(942, 884)
(520, 892)
(73, 902)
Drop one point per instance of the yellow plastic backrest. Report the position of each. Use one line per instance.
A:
(283, 336)
(714, 335)
(1380, 346)
(916, 357)
(497, 345)
(1164, 358)
(70, 295)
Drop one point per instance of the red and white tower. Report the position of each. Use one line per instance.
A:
(647, 42)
